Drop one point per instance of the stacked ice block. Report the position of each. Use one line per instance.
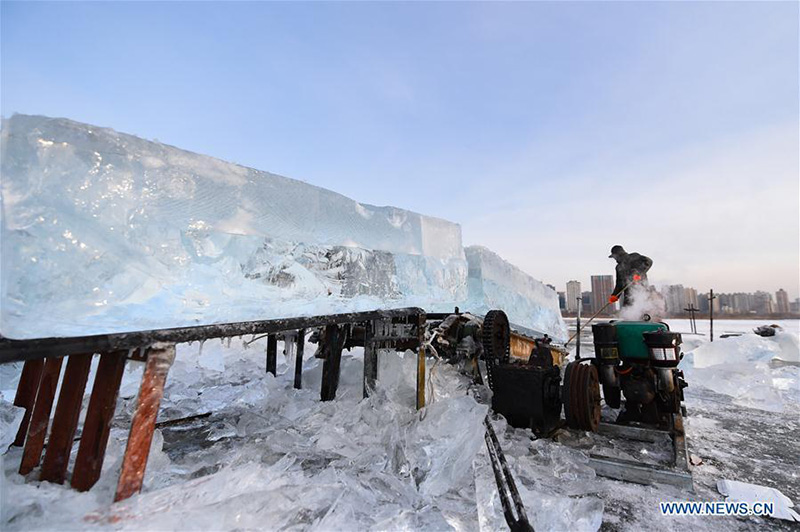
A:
(106, 232)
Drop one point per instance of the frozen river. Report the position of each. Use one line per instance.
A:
(269, 456)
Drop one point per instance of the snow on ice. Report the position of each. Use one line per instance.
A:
(106, 232)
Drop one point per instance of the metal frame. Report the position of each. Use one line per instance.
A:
(677, 474)
(380, 329)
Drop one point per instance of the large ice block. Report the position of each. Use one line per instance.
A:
(496, 283)
(106, 232)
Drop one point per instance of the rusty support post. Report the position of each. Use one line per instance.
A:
(40, 418)
(330, 367)
(159, 359)
(370, 359)
(421, 364)
(272, 354)
(65, 419)
(26, 395)
(97, 426)
(298, 361)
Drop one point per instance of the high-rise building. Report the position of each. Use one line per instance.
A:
(586, 299)
(704, 303)
(602, 286)
(675, 296)
(762, 303)
(573, 293)
(562, 300)
(690, 294)
(795, 305)
(742, 303)
(782, 301)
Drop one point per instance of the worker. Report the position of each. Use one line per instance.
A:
(631, 268)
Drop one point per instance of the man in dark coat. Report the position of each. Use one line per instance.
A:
(630, 267)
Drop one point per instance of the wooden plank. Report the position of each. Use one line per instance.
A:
(272, 354)
(421, 364)
(298, 359)
(26, 395)
(143, 424)
(65, 420)
(97, 426)
(330, 367)
(421, 378)
(40, 419)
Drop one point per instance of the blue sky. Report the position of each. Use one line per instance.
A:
(549, 131)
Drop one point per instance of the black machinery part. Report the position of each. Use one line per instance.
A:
(612, 395)
(528, 396)
(496, 340)
(581, 396)
(506, 486)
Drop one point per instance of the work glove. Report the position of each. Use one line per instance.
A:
(613, 299)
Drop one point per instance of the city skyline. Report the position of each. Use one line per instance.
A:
(653, 281)
(678, 299)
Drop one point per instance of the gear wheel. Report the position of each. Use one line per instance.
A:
(496, 340)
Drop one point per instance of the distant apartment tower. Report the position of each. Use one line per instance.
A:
(782, 301)
(762, 303)
(602, 286)
(562, 300)
(690, 294)
(573, 293)
(586, 298)
(675, 297)
(742, 302)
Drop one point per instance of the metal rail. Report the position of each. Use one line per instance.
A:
(38, 348)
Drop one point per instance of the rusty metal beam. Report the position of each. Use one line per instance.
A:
(521, 347)
(65, 419)
(143, 424)
(97, 426)
(19, 350)
(40, 418)
(26, 395)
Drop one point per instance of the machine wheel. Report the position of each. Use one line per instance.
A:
(496, 340)
(566, 393)
(582, 396)
(612, 395)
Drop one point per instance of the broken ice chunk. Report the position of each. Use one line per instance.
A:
(10, 418)
(750, 493)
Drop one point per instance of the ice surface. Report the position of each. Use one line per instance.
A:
(757, 372)
(270, 456)
(106, 232)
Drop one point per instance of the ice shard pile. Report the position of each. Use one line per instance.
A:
(106, 232)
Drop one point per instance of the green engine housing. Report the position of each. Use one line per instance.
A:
(630, 340)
